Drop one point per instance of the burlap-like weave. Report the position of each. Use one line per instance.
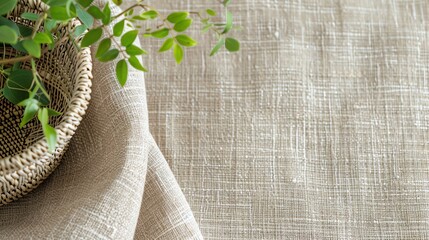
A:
(317, 129)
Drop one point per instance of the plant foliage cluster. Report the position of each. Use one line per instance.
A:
(24, 87)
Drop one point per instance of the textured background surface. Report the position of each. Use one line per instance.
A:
(317, 129)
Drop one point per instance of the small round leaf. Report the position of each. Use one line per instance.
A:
(91, 37)
(8, 35)
(32, 47)
(134, 61)
(177, 16)
(109, 55)
(103, 47)
(162, 33)
(185, 40)
(232, 44)
(129, 37)
(182, 25)
(211, 12)
(118, 28)
(134, 50)
(167, 45)
(7, 5)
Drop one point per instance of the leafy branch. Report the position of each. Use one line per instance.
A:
(25, 88)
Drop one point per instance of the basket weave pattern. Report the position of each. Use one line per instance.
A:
(66, 74)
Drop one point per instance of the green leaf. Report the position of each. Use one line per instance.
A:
(129, 37)
(103, 47)
(53, 113)
(91, 37)
(42, 38)
(9, 23)
(117, 2)
(118, 28)
(134, 50)
(43, 117)
(50, 24)
(218, 45)
(182, 25)
(51, 136)
(205, 20)
(62, 3)
(207, 27)
(18, 86)
(60, 13)
(228, 24)
(151, 14)
(109, 55)
(32, 47)
(95, 12)
(177, 16)
(30, 16)
(138, 17)
(226, 2)
(16, 66)
(25, 31)
(134, 61)
(8, 35)
(25, 102)
(79, 30)
(162, 33)
(232, 44)
(185, 40)
(122, 72)
(130, 12)
(7, 6)
(85, 17)
(85, 3)
(107, 14)
(167, 45)
(18, 46)
(30, 111)
(41, 97)
(178, 53)
(211, 12)
(70, 6)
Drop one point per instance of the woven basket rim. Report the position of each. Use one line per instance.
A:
(38, 151)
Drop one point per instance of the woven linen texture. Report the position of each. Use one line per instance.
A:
(97, 191)
(317, 129)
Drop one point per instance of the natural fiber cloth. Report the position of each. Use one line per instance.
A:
(317, 129)
(112, 173)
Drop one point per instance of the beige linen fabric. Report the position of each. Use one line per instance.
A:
(317, 129)
(97, 191)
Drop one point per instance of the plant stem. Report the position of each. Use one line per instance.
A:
(201, 17)
(119, 46)
(17, 59)
(129, 8)
(38, 24)
(196, 13)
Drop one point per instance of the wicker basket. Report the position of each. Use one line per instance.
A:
(66, 72)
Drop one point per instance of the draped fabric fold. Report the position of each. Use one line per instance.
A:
(112, 179)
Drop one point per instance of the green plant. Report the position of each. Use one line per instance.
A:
(24, 87)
